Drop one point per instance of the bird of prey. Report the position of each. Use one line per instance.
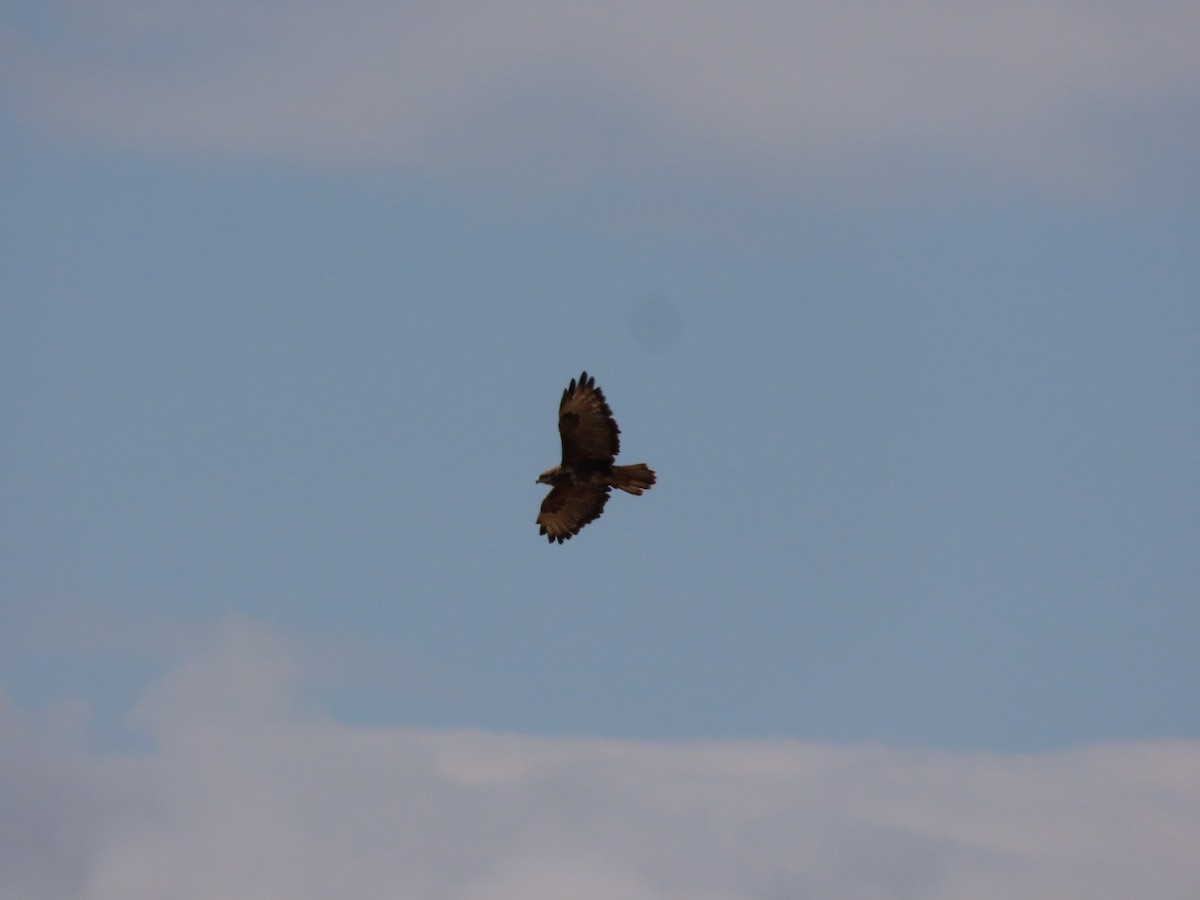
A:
(580, 485)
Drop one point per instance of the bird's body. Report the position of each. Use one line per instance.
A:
(581, 483)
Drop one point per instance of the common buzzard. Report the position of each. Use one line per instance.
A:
(580, 486)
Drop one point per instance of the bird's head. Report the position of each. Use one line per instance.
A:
(547, 477)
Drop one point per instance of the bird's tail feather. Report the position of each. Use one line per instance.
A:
(634, 479)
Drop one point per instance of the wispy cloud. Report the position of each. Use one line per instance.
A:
(1065, 92)
(248, 794)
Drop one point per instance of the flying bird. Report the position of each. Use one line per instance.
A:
(590, 443)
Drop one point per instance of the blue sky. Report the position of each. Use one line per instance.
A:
(902, 306)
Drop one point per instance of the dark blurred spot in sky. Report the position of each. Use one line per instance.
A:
(656, 323)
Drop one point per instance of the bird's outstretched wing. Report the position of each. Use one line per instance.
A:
(586, 425)
(567, 509)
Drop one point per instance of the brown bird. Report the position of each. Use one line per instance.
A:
(590, 444)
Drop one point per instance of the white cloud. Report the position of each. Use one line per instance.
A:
(1061, 91)
(248, 795)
